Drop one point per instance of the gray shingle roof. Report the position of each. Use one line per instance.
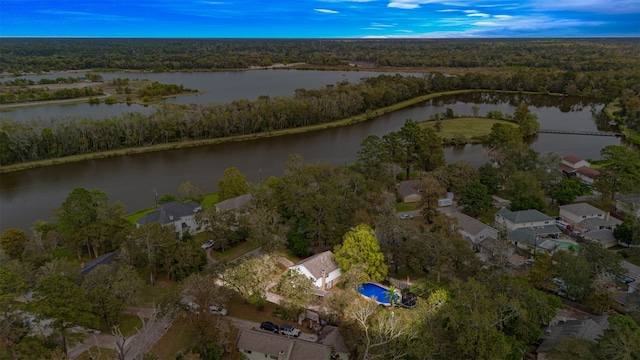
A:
(234, 203)
(469, 224)
(582, 209)
(318, 262)
(603, 236)
(409, 187)
(524, 216)
(272, 344)
(596, 223)
(528, 235)
(170, 212)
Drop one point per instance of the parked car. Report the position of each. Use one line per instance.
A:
(217, 310)
(268, 325)
(289, 330)
(191, 306)
(207, 244)
(406, 216)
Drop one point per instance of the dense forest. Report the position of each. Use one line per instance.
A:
(580, 55)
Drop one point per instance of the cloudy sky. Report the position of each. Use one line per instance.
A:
(320, 18)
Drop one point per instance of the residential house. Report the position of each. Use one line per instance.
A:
(629, 204)
(585, 217)
(604, 237)
(573, 166)
(260, 345)
(321, 269)
(409, 191)
(182, 216)
(588, 329)
(528, 228)
(573, 162)
(473, 230)
(235, 203)
(511, 220)
(633, 272)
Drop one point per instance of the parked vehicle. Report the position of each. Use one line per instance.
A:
(289, 330)
(268, 325)
(191, 306)
(207, 244)
(406, 216)
(217, 310)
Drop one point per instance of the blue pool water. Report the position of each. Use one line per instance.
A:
(374, 290)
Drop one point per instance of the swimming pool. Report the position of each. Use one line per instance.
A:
(371, 290)
(565, 245)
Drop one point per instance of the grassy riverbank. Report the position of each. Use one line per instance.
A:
(185, 144)
(469, 129)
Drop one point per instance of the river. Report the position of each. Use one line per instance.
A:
(28, 195)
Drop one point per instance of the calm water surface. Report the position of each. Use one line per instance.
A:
(29, 195)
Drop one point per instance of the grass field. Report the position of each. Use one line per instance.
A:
(468, 127)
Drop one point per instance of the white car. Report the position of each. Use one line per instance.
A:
(289, 330)
(406, 216)
(207, 245)
(216, 310)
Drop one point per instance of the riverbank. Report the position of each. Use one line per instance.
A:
(186, 144)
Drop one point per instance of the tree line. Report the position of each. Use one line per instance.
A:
(22, 142)
(580, 55)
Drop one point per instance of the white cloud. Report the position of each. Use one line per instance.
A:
(326, 11)
(383, 25)
(411, 4)
(592, 6)
(479, 14)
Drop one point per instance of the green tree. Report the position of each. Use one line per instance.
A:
(527, 121)
(525, 192)
(79, 218)
(147, 245)
(432, 190)
(190, 191)
(11, 319)
(628, 232)
(110, 290)
(456, 176)
(65, 303)
(361, 246)
(13, 242)
(490, 177)
(475, 199)
(233, 183)
(297, 292)
(567, 191)
(621, 340)
(620, 171)
(250, 276)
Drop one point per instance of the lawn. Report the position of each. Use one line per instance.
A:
(232, 253)
(402, 207)
(152, 294)
(467, 127)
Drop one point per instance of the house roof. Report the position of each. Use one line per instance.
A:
(318, 262)
(469, 224)
(567, 169)
(170, 212)
(588, 172)
(234, 203)
(632, 270)
(331, 336)
(582, 209)
(572, 159)
(589, 329)
(272, 344)
(604, 236)
(528, 235)
(596, 223)
(104, 259)
(409, 187)
(523, 216)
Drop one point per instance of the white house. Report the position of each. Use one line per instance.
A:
(512, 220)
(574, 162)
(585, 217)
(473, 230)
(182, 216)
(320, 268)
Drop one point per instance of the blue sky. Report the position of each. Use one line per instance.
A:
(320, 18)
